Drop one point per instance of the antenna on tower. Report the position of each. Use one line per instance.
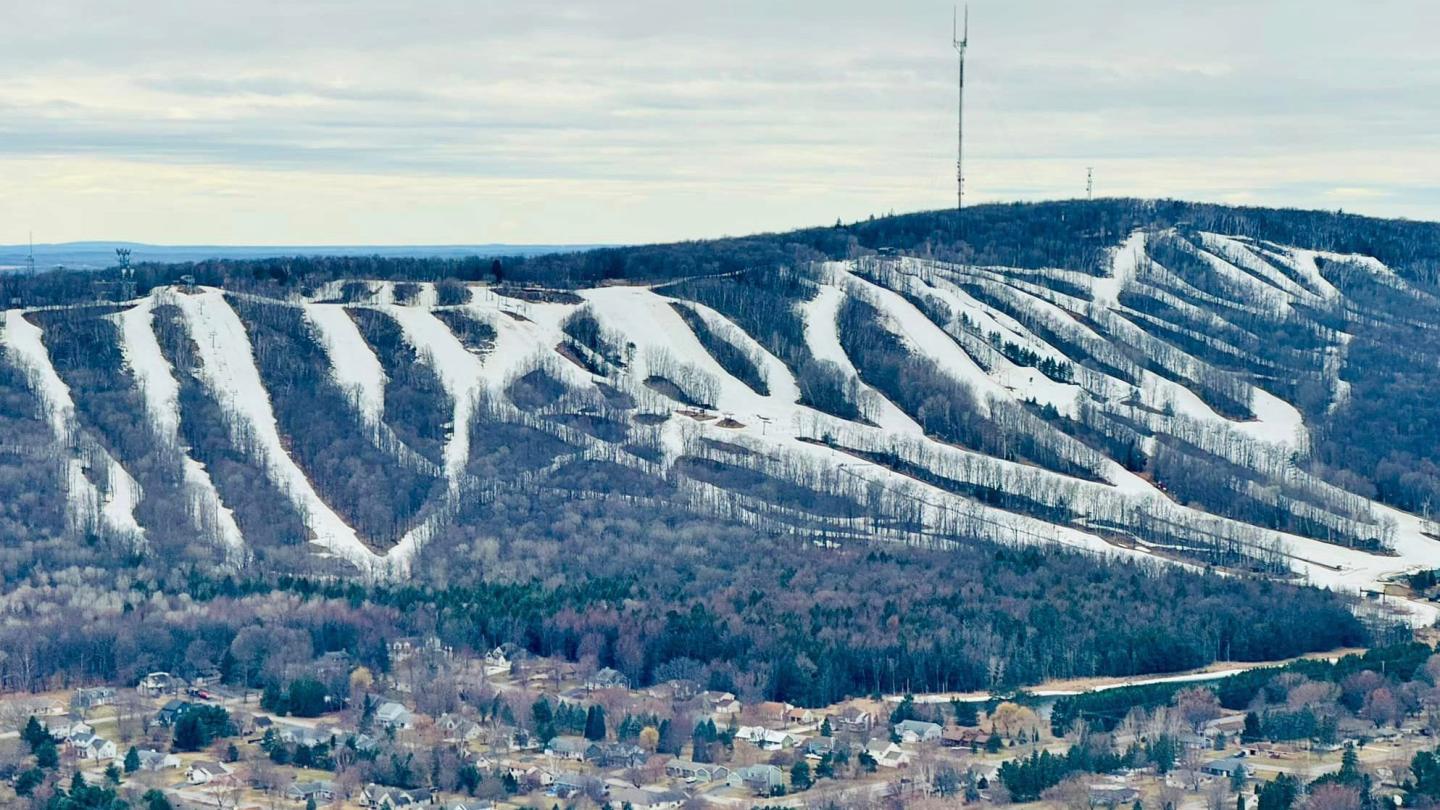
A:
(960, 40)
(1089, 182)
(30, 259)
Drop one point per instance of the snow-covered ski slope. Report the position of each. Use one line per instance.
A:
(1090, 385)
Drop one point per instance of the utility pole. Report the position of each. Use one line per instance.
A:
(1089, 182)
(960, 40)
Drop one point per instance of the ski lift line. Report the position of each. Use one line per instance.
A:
(1247, 544)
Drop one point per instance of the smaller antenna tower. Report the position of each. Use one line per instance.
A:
(1089, 182)
(30, 258)
(960, 41)
(122, 257)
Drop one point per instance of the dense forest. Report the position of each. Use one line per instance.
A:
(763, 617)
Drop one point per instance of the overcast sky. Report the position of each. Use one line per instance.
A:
(467, 121)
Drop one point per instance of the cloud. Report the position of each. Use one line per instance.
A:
(700, 119)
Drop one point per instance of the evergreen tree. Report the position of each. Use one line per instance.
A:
(595, 723)
(1237, 778)
(1252, 731)
(544, 718)
(966, 714)
(47, 755)
(35, 734)
(132, 760)
(800, 776)
(306, 698)
(905, 711)
(112, 774)
(27, 781)
(1279, 794)
(825, 729)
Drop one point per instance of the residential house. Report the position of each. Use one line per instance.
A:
(384, 797)
(159, 683)
(496, 662)
(917, 731)
(772, 711)
(431, 647)
(697, 772)
(854, 720)
(887, 754)
(458, 729)
(719, 702)
(88, 746)
(321, 790)
(615, 755)
(957, 737)
(203, 772)
(303, 735)
(766, 739)
(1231, 725)
(762, 780)
(818, 747)
(471, 804)
(799, 716)
(170, 712)
(65, 726)
(1112, 795)
(152, 760)
(607, 678)
(683, 689)
(567, 785)
(1226, 766)
(86, 699)
(567, 747)
(532, 776)
(647, 798)
(394, 715)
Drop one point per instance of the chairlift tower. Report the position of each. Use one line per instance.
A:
(960, 40)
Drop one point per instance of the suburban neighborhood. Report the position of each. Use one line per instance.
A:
(510, 730)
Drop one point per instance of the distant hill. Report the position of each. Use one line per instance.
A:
(98, 255)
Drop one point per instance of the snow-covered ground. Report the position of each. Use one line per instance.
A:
(355, 367)
(161, 394)
(775, 428)
(228, 370)
(115, 505)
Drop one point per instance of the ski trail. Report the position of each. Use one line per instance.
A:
(353, 363)
(115, 507)
(228, 370)
(161, 394)
(460, 373)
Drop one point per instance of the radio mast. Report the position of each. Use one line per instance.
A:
(1089, 182)
(960, 40)
(30, 259)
